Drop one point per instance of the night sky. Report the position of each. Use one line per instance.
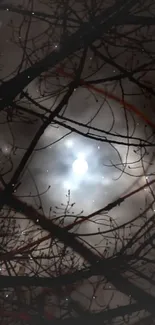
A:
(67, 168)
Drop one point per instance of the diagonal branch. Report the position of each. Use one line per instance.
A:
(129, 20)
(122, 70)
(108, 268)
(86, 35)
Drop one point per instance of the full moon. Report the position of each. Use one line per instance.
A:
(80, 166)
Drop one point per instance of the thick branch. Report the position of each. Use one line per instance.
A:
(108, 268)
(86, 35)
(129, 20)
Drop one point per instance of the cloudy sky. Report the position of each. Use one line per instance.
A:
(93, 172)
(103, 173)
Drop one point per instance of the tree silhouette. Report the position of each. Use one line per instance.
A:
(54, 267)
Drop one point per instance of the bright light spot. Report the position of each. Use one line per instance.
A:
(69, 143)
(6, 149)
(80, 166)
(98, 147)
(67, 185)
(7, 296)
